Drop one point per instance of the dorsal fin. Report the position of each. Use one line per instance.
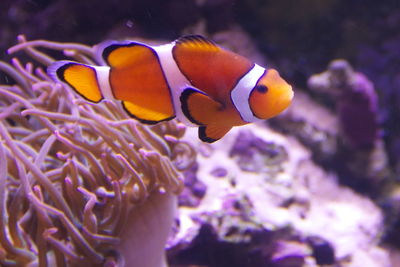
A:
(197, 41)
(210, 68)
(120, 54)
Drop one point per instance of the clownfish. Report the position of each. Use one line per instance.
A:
(192, 78)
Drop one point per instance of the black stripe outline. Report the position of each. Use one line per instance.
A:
(237, 81)
(252, 91)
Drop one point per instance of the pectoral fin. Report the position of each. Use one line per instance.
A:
(212, 117)
(198, 107)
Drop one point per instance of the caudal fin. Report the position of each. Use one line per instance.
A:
(80, 77)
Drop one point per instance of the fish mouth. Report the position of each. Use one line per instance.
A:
(281, 104)
(287, 98)
(290, 94)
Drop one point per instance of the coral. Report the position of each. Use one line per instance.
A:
(298, 216)
(194, 190)
(360, 156)
(232, 230)
(357, 102)
(256, 155)
(312, 124)
(81, 183)
(289, 253)
(323, 251)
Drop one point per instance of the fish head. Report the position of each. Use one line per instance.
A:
(270, 96)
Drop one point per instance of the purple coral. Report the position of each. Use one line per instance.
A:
(194, 189)
(254, 154)
(357, 111)
(357, 102)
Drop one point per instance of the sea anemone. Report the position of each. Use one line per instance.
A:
(81, 183)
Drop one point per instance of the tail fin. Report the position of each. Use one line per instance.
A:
(80, 77)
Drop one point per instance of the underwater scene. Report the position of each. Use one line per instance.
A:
(200, 133)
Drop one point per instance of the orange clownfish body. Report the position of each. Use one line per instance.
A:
(191, 78)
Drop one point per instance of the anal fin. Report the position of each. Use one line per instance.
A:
(212, 133)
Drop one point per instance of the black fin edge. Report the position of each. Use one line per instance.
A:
(60, 74)
(184, 104)
(110, 48)
(61, 70)
(150, 122)
(203, 136)
(194, 38)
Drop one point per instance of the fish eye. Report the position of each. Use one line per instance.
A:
(261, 88)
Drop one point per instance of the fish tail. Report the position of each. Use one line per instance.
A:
(82, 78)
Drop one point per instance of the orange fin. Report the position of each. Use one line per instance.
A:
(124, 54)
(137, 79)
(196, 42)
(196, 56)
(212, 133)
(198, 107)
(144, 114)
(80, 77)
